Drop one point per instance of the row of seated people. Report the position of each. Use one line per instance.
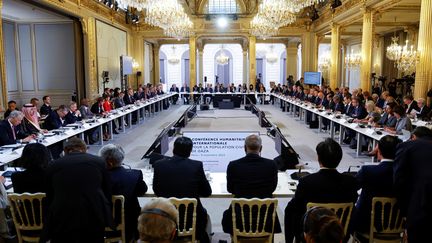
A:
(24, 125)
(404, 172)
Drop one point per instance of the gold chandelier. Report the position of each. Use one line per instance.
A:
(394, 50)
(222, 58)
(271, 56)
(173, 58)
(353, 60)
(180, 29)
(261, 28)
(407, 59)
(324, 62)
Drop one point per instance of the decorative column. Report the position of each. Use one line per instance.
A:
(335, 53)
(156, 62)
(245, 65)
(291, 59)
(91, 76)
(201, 67)
(192, 62)
(367, 44)
(3, 86)
(423, 81)
(252, 60)
(309, 52)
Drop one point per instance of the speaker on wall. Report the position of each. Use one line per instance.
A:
(138, 73)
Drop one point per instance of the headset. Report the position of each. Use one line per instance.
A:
(160, 212)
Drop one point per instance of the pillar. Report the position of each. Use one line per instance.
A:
(377, 59)
(291, 59)
(192, 62)
(367, 45)
(91, 76)
(252, 60)
(335, 53)
(309, 52)
(3, 81)
(137, 51)
(245, 65)
(423, 81)
(201, 67)
(156, 62)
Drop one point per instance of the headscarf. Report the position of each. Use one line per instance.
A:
(31, 114)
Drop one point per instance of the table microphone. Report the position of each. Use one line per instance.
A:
(299, 174)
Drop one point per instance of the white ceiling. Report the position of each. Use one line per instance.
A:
(19, 11)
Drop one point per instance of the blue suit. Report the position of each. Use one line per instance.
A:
(375, 181)
(53, 121)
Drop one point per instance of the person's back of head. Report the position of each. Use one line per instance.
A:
(183, 147)
(329, 153)
(321, 225)
(157, 222)
(253, 144)
(35, 156)
(75, 145)
(421, 132)
(387, 147)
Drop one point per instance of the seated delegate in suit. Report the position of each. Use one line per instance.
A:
(410, 104)
(423, 109)
(249, 177)
(181, 177)
(388, 119)
(157, 222)
(78, 196)
(34, 159)
(321, 225)
(358, 113)
(126, 182)
(402, 121)
(325, 186)
(175, 97)
(56, 118)
(30, 123)
(375, 181)
(185, 97)
(74, 114)
(412, 181)
(11, 107)
(9, 129)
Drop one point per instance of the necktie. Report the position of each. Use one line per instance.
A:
(13, 132)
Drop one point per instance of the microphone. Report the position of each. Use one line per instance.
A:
(299, 174)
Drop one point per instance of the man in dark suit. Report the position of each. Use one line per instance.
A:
(46, 109)
(78, 195)
(413, 185)
(129, 97)
(11, 107)
(410, 104)
(74, 113)
(185, 97)
(375, 181)
(325, 186)
(249, 177)
(422, 110)
(175, 97)
(56, 118)
(358, 112)
(181, 177)
(9, 129)
(126, 182)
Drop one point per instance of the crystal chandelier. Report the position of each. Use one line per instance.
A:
(278, 12)
(261, 28)
(407, 59)
(164, 13)
(394, 50)
(180, 29)
(271, 57)
(305, 3)
(173, 58)
(353, 60)
(222, 58)
(324, 63)
(138, 4)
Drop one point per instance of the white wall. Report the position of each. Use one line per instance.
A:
(272, 72)
(111, 44)
(173, 72)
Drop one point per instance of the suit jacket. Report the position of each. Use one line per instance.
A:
(85, 112)
(412, 106)
(413, 185)
(128, 99)
(249, 177)
(380, 103)
(375, 181)
(174, 90)
(348, 109)
(338, 107)
(184, 89)
(30, 180)
(325, 186)
(182, 177)
(6, 133)
(423, 112)
(387, 121)
(130, 184)
(45, 109)
(97, 109)
(358, 112)
(53, 121)
(7, 113)
(79, 196)
(71, 118)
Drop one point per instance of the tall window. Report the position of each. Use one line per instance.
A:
(222, 7)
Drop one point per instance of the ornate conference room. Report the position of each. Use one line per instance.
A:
(259, 120)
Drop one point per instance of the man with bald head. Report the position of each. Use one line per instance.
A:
(249, 177)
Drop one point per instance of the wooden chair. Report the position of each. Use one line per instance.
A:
(186, 224)
(254, 217)
(342, 210)
(119, 234)
(386, 223)
(27, 213)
